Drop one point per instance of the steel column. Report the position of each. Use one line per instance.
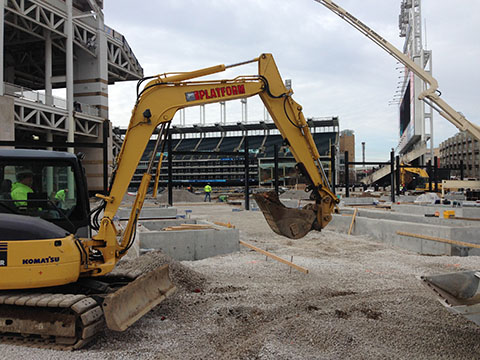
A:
(275, 167)
(392, 175)
(332, 167)
(397, 174)
(347, 171)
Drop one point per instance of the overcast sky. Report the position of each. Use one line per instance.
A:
(335, 70)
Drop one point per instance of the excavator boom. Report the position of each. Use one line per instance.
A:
(165, 94)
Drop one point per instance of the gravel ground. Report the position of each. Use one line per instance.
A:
(360, 300)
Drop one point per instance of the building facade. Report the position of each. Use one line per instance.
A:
(347, 144)
(461, 148)
(51, 45)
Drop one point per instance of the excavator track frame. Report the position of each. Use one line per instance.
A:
(49, 320)
(66, 321)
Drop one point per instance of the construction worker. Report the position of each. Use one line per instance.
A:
(22, 187)
(60, 197)
(208, 190)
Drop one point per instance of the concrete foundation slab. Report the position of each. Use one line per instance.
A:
(383, 226)
(191, 244)
(471, 212)
(358, 201)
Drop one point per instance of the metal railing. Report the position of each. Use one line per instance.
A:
(25, 93)
(113, 34)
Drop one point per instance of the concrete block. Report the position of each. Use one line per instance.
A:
(385, 231)
(471, 212)
(453, 196)
(469, 234)
(422, 219)
(359, 201)
(158, 225)
(149, 212)
(425, 209)
(382, 225)
(177, 244)
(216, 242)
(191, 244)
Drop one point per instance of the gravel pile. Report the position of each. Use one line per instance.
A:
(181, 275)
(360, 300)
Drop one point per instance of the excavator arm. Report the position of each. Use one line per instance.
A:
(156, 105)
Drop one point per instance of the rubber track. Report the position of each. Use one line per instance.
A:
(88, 314)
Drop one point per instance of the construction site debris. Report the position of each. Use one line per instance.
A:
(427, 198)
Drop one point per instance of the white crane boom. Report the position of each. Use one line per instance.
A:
(431, 95)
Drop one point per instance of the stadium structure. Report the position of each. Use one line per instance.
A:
(206, 143)
(65, 45)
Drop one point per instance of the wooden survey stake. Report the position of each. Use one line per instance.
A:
(275, 257)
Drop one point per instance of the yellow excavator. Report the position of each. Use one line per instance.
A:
(56, 282)
(414, 178)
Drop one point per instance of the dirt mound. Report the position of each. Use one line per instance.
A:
(181, 275)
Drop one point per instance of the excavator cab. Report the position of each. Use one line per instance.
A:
(47, 185)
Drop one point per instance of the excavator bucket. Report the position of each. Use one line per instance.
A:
(125, 306)
(458, 292)
(289, 222)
